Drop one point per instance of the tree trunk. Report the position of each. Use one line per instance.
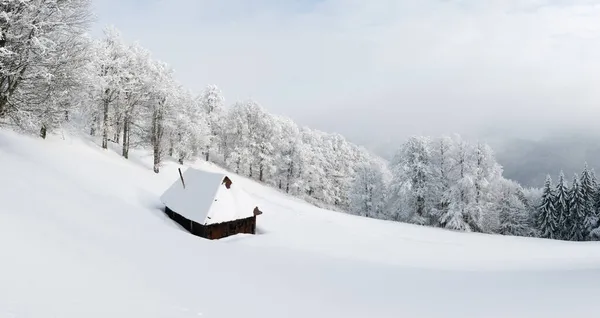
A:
(289, 178)
(93, 126)
(105, 126)
(171, 147)
(117, 137)
(260, 173)
(3, 102)
(157, 132)
(126, 137)
(43, 131)
(156, 159)
(367, 200)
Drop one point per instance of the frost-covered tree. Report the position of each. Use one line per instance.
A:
(463, 212)
(190, 131)
(211, 100)
(561, 205)
(41, 49)
(512, 211)
(288, 158)
(159, 107)
(412, 181)
(252, 138)
(575, 221)
(111, 61)
(442, 165)
(51, 101)
(588, 187)
(488, 183)
(368, 192)
(533, 197)
(136, 91)
(313, 173)
(547, 217)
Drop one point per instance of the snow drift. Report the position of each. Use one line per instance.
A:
(82, 234)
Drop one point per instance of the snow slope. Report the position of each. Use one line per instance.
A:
(82, 235)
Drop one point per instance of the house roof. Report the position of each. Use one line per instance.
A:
(206, 200)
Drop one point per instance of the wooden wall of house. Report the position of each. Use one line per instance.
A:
(221, 230)
(214, 231)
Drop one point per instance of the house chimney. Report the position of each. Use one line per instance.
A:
(181, 176)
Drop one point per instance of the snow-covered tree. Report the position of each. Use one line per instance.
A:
(547, 216)
(136, 91)
(190, 131)
(487, 182)
(288, 159)
(41, 52)
(211, 100)
(316, 185)
(413, 177)
(512, 211)
(463, 212)
(588, 187)
(442, 165)
(111, 61)
(252, 137)
(575, 221)
(368, 192)
(561, 205)
(160, 109)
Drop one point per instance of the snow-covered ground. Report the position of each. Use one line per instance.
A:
(82, 235)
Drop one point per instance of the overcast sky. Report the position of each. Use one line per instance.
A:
(376, 69)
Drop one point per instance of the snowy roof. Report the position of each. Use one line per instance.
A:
(206, 200)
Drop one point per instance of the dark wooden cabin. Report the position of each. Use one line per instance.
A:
(196, 203)
(215, 231)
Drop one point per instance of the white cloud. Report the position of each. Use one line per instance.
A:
(381, 67)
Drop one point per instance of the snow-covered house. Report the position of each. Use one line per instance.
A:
(209, 205)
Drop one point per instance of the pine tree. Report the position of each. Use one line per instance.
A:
(588, 186)
(561, 204)
(547, 217)
(575, 229)
(595, 228)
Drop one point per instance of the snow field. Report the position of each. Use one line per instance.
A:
(82, 235)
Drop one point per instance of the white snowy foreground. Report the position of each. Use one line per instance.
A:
(82, 235)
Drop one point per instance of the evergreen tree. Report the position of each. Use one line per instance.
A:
(547, 217)
(561, 204)
(575, 229)
(588, 186)
(595, 229)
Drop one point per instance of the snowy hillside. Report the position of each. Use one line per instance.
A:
(82, 235)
